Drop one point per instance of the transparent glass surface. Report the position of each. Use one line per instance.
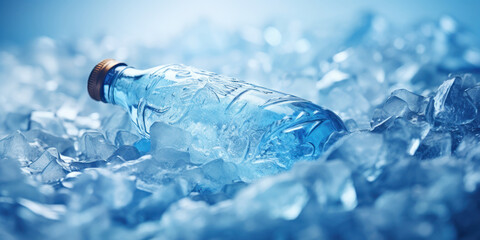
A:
(227, 118)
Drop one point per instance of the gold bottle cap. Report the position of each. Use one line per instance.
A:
(97, 76)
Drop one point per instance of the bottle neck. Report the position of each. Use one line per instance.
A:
(124, 86)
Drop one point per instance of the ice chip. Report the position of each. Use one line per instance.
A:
(43, 161)
(341, 95)
(435, 144)
(451, 105)
(230, 190)
(154, 205)
(150, 172)
(166, 136)
(474, 94)
(170, 157)
(363, 150)
(114, 191)
(381, 120)
(125, 138)
(404, 137)
(16, 146)
(333, 186)
(395, 107)
(278, 197)
(117, 121)
(127, 153)
(415, 102)
(143, 145)
(94, 147)
(219, 173)
(46, 167)
(65, 146)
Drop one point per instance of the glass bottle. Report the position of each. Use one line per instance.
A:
(227, 118)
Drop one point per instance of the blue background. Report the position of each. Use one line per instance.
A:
(147, 21)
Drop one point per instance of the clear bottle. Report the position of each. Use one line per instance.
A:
(227, 118)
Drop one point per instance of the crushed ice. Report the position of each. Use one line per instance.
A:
(71, 168)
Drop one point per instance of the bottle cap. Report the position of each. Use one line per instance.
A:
(97, 77)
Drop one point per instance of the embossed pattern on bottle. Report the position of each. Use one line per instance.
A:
(235, 120)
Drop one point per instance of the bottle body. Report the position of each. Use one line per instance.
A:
(227, 118)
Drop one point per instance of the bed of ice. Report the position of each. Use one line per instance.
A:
(72, 168)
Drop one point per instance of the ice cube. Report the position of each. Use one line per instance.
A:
(381, 120)
(332, 185)
(65, 146)
(126, 153)
(219, 173)
(341, 95)
(230, 190)
(153, 206)
(117, 121)
(100, 186)
(275, 198)
(150, 173)
(143, 145)
(94, 147)
(451, 106)
(171, 158)
(435, 144)
(474, 94)
(46, 167)
(395, 107)
(415, 102)
(404, 137)
(364, 151)
(16, 146)
(165, 136)
(125, 138)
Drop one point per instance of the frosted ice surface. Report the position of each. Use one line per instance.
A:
(415, 102)
(126, 153)
(281, 198)
(17, 147)
(64, 146)
(125, 138)
(165, 136)
(77, 169)
(94, 147)
(46, 166)
(451, 104)
(334, 187)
